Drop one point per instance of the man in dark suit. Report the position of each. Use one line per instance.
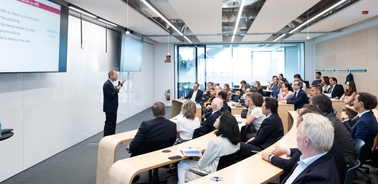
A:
(294, 153)
(342, 136)
(225, 107)
(336, 90)
(364, 126)
(208, 124)
(300, 96)
(274, 87)
(270, 131)
(157, 129)
(314, 140)
(195, 94)
(110, 106)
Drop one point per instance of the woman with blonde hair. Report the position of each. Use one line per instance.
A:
(188, 121)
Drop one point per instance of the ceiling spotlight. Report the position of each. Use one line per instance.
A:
(308, 37)
(127, 32)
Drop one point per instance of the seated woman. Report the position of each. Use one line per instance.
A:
(325, 84)
(286, 92)
(350, 93)
(226, 142)
(259, 89)
(227, 89)
(188, 121)
(254, 116)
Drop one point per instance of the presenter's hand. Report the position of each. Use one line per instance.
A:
(123, 80)
(119, 87)
(279, 151)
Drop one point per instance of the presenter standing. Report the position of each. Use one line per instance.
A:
(110, 93)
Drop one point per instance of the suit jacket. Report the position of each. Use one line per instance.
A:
(275, 91)
(270, 131)
(155, 129)
(288, 165)
(225, 107)
(322, 170)
(298, 101)
(198, 96)
(338, 91)
(366, 129)
(110, 94)
(207, 125)
(343, 138)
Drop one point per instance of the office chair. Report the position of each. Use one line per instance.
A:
(351, 173)
(361, 156)
(224, 161)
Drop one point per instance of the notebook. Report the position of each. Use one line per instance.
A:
(191, 152)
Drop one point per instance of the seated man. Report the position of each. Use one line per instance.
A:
(314, 140)
(342, 135)
(208, 124)
(336, 90)
(364, 126)
(270, 131)
(316, 90)
(300, 96)
(195, 94)
(221, 95)
(318, 80)
(295, 154)
(157, 129)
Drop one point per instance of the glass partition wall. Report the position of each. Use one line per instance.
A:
(231, 63)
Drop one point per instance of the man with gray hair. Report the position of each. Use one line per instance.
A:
(314, 140)
(207, 124)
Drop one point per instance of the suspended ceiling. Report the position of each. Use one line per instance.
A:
(206, 20)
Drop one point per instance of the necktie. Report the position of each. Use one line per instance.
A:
(295, 95)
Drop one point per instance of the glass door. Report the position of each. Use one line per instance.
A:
(190, 62)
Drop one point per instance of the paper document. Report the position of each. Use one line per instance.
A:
(191, 152)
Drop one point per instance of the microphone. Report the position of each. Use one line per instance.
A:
(119, 83)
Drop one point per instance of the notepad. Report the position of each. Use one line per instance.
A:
(191, 152)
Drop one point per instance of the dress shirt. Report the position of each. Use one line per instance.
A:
(331, 89)
(194, 96)
(303, 163)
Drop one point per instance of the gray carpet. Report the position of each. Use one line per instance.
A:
(77, 165)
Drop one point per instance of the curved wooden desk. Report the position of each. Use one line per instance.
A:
(107, 149)
(123, 171)
(254, 169)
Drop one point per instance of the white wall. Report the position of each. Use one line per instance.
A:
(50, 112)
(164, 73)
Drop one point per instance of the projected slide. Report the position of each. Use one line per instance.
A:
(29, 35)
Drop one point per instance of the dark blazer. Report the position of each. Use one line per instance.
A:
(155, 129)
(225, 107)
(338, 91)
(275, 91)
(270, 131)
(207, 125)
(198, 96)
(110, 94)
(288, 165)
(343, 138)
(322, 170)
(366, 129)
(298, 101)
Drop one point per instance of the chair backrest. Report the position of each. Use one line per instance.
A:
(196, 133)
(227, 160)
(149, 146)
(351, 173)
(358, 146)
